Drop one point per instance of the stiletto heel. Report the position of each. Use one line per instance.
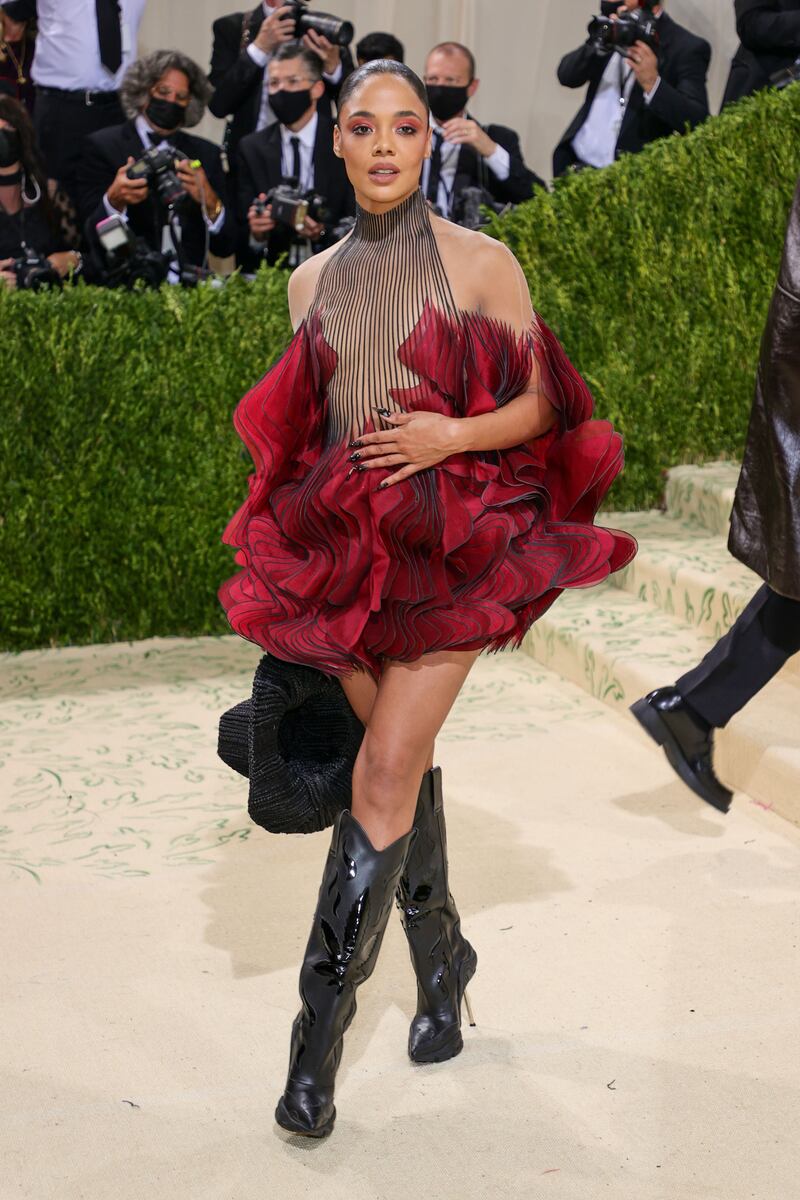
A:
(469, 1008)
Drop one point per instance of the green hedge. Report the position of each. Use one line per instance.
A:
(118, 462)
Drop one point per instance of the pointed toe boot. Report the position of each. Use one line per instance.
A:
(443, 959)
(353, 907)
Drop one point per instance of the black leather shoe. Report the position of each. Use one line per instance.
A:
(353, 907)
(687, 743)
(443, 960)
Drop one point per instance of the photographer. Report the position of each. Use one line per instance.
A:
(83, 48)
(634, 97)
(244, 44)
(379, 45)
(37, 240)
(298, 149)
(464, 153)
(162, 95)
(769, 31)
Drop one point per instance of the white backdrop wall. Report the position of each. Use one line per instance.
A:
(518, 44)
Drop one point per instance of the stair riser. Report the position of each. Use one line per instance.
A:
(703, 496)
(688, 595)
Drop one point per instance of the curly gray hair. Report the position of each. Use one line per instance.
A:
(145, 72)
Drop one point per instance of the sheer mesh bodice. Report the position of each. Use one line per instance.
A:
(370, 297)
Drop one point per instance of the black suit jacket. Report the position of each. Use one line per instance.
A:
(237, 80)
(259, 169)
(471, 170)
(770, 41)
(105, 152)
(681, 97)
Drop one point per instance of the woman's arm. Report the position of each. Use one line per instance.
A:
(418, 440)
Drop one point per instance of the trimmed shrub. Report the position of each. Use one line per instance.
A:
(119, 463)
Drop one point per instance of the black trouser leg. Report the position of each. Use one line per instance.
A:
(61, 124)
(761, 641)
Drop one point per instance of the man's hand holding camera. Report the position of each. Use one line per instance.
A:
(259, 218)
(276, 29)
(125, 191)
(331, 55)
(465, 132)
(195, 180)
(644, 65)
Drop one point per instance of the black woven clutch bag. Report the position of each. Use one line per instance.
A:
(296, 740)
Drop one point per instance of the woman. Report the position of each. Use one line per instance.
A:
(17, 44)
(36, 219)
(426, 478)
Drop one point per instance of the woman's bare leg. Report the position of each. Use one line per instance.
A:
(360, 689)
(411, 705)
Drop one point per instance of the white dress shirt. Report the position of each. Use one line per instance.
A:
(68, 45)
(595, 142)
(498, 162)
(265, 114)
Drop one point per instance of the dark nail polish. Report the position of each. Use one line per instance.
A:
(361, 467)
(354, 457)
(385, 412)
(382, 485)
(356, 445)
(349, 473)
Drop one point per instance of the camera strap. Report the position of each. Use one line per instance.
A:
(247, 20)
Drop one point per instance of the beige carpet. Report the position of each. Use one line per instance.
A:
(636, 993)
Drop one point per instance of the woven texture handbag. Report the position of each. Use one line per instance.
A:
(296, 740)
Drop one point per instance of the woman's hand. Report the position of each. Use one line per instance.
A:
(417, 440)
(7, 278)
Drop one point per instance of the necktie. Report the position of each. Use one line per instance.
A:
(296, 158)
(436, 167)
(110, 32)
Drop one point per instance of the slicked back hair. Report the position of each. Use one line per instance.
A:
(382, 66)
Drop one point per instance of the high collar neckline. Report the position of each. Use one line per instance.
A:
(410, 218)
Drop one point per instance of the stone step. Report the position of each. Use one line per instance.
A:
(618, 647)
(685, 571)
(703, 495)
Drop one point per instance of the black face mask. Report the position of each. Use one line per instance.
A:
(165, 114)
(609, 7)
(290, 106)
(10, 147)
(446, 102)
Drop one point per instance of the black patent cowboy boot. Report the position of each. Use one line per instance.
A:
(353, 907)
(443, 959)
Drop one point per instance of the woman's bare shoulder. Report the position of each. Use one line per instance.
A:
(475, 262)
(303, 283)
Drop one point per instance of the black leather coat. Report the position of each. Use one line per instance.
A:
(765, 525)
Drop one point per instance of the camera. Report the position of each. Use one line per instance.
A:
(469, 204)
(782, 79)
(158, 168)
(622, 32)
(34, 274)
(339, 32)
(126, 258)
(291, 206)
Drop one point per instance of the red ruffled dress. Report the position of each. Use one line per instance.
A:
(338, 574)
